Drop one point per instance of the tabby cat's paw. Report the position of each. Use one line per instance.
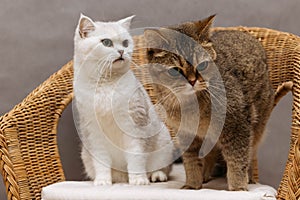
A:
(251, 181)
(238, 188)
(159, 176)
(135, 179)
(188, 187)
(207, 178)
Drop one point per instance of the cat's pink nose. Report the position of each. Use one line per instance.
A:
(121, 52)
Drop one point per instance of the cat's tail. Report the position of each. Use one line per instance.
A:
(282, 90)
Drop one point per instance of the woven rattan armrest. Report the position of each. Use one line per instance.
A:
(29, 152)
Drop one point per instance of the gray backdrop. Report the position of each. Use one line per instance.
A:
(36, 39)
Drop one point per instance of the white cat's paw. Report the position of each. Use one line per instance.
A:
(102, 182)
(137, 179)
(159, 176)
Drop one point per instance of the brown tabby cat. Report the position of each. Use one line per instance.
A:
(241, 62)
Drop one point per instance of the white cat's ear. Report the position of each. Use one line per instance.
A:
(126, 22)
(86, 26)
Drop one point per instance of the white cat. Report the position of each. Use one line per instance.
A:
(123, 138)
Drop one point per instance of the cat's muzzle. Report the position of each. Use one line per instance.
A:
(119, 59)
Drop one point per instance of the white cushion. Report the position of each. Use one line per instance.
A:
(214, 190)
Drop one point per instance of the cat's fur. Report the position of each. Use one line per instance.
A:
(241, 62)
(122, 136)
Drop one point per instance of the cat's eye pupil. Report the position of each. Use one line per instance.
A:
(202, 66)
(125, 43)
(107, 42)
(175, 71)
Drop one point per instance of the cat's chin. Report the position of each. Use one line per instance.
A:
(120, 67)
(120, 63)
(119, 60)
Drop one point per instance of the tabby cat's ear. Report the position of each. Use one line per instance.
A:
(203, 31)
(86, 26)
(157, 42)
(203, 28)
(126, 22)
(157, 38)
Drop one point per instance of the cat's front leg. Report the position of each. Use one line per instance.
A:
(193, 166)
(103, 175)
(96, 164)
(136, 163)
(102, 169)
(94, 168)
(209, 162)
(101, 161)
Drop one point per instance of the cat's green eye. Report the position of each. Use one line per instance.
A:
(125, 43)
(175, 71)
(107, 42)
(202, 66)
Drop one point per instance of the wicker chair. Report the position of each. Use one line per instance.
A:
(28, 148)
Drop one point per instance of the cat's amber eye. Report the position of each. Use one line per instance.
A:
(175, 71)
(202, 66)
(125, 43)
(107, 42)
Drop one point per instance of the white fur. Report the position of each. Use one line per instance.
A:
(123, 138)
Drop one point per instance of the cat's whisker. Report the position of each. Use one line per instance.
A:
(110, 65)
(206, 96)
(99, 63)
(219, 92)
(162, 100)
(165, 98)
(100, 60)
(217, 107)
(219, 85)
(216, 92)
(101, 69)
(173, 108)
(107, 65)
(110, 68)
(167, 95)
(220, 82)
(223, 90)
(219, 99)
(131, 61)
(207, 99)
(101, 66)
(105, 69)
